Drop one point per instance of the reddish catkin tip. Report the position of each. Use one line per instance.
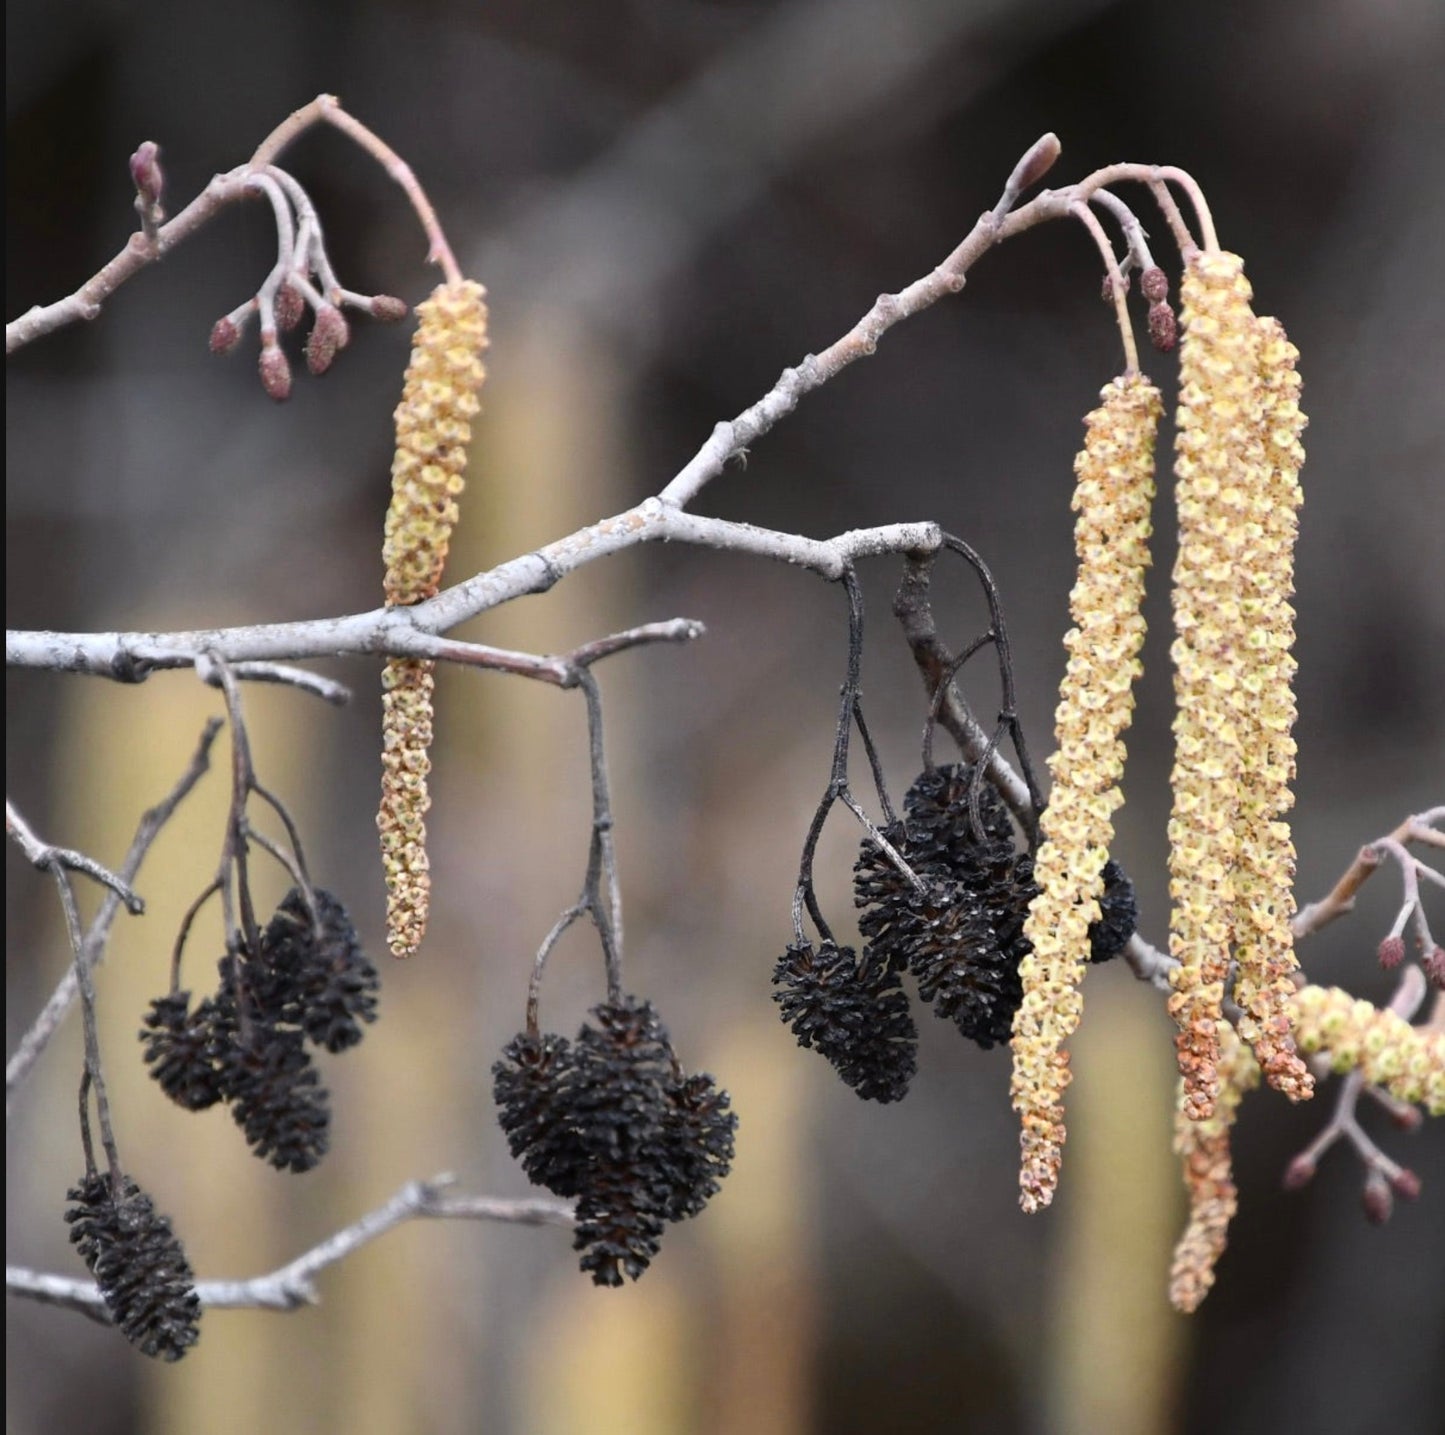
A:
(1155, 284)
(145, 172)
(1435, 966)
(275, 372)
(1377, 1199)
(225, 335)
(1163, 328)
(388, 308)
(1406, 1184)
(1391, 953)
(290, 307)
(1299, 1173)
(329, 334)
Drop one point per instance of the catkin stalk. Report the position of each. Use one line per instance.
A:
(1115, 473)
(428, 471)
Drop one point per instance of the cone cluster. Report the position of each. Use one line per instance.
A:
(612, 1121)
(308, 985)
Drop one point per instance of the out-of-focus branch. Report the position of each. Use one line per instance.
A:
(45, 857)
(294, 1285)
(63, 998)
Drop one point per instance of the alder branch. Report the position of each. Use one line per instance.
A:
(45, 857)
(35, 1040)
(294, 1285)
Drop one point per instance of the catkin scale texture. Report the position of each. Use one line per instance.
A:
(428, 472)
(1114, 490)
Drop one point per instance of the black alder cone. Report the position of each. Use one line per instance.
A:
(138, 1264)
(854, 1013)
(1118, 915)
(180, 1047)
(612, 1120)
(277, 1098)
(314, 974)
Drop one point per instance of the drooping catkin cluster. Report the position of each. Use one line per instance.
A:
(1208, 1175)
(1407, 1061)
(1115, 487)
(1231, 862)
(428, 472)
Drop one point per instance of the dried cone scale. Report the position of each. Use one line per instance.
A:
(1115, 472)
(433, 427)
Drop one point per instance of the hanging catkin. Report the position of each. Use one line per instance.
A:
(1115, 472)
(428, 472)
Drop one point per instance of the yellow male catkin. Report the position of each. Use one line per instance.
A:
(1217, 443)
(1408, 1061)
(1231, 860)
(1115, 486)
(428, 472)
(1264, 878)
(1208, 1175)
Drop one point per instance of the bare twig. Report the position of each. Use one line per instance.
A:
(327, 689)
(294, 1284)
(46, 857)
(62, 999)
(1117, 288)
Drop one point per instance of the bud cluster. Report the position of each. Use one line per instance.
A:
(308, 984)
(612, 1121)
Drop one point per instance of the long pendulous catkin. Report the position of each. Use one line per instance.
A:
(1115, 486)
(433, 427)
(1230, 859)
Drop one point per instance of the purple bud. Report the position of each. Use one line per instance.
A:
(1299, 1173)
(1155, 284)
(290, 306)
(329, 333)
(1379, 1204)
(225, 335)
(1435, 965)
(1406, 1183)
(388, 308)
(145, 172)
(275, 371)
(1108, 287)
(1163, 331)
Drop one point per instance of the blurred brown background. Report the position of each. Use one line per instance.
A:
(669, 200)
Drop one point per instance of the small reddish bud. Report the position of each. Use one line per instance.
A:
(1163, 330)
(1406, 1118)
(1435, 965)
(1036, 163)
(275, 372)
(1406, 1183)
(328, 334)
(1108, 287)
(1299, 1173)
(225, 335)
(145, 172)
(1379, 1204)
(290, 307)
(1155, 284)
(388, 308)
(1391, 952)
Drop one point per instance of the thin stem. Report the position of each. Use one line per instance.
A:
(47, 1023)
(44, 856)
(183, 936)
(1117, 288)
